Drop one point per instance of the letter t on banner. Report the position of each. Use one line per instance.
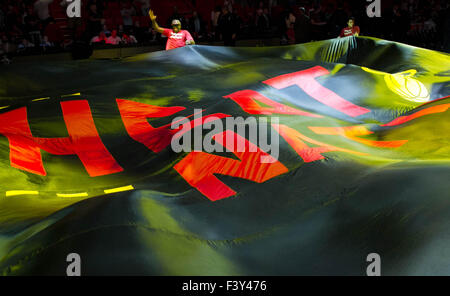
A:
(305, 79)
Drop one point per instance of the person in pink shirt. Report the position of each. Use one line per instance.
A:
(351, 30)
(114, 39)
(175, 36)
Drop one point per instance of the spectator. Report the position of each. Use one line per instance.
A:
(53, 33)
(129, 39)
(106, 30)
(41, 8)
(429, 24)
(15, 32)
(267, 15)
(350, 30)
(317, 14)
(101, 38)
(417, 22)
(31, 25)
(228, 27)
(114, 39)
(215, 14)
(45, 44)
(139, 30)
(144, 33)
(318, 22)
(262, 23)
(120, 30)
(228, 4)
(338, 20)
(302, 27)
(151, 33)
(99, 4)
(175, 37)
(127, 13)
(24, 45)
(399, 23)
(145, 6)
(94, 25)
(196, 25)
(290, 32)
(328, 12)
(12, 17)
(7, 46)
(282, 28)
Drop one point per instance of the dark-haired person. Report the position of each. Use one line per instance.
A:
(32, 28)
(129, 39)
(53, 32)
(42, 10)
(114, 39)
(350, 30)
(94, 22)
(175, 36)
(302, 26)
(196, 25)
(228, 26)
(101, 38)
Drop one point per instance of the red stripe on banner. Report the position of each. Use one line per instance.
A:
(308, 154)
(427, 111)
(134, 116)
(83, 140)
(198, 168)
(24, 153)
(305, 79)
(248, 99)
(352, 133)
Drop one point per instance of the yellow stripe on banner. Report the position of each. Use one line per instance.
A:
(82, 194)
(41, 99)
(76, 94)
(4, 107)
(119, 189)
(21, 192)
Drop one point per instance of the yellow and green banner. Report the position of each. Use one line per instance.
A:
(357, 161)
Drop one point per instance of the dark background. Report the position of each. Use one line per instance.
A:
(26, 28)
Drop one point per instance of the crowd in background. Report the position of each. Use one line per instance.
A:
(28, 26)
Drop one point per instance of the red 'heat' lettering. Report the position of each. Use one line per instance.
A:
(198, 168)
(83, 140)
(248, 100)
(134, 116)
(305, 79)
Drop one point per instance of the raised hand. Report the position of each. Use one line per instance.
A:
(152, 15)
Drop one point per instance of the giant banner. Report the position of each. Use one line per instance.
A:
(204, 160)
